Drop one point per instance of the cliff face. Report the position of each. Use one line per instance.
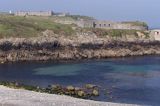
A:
(66, 48)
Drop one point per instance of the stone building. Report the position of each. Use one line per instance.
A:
(155, 34)
(109, 25)
(34, 13)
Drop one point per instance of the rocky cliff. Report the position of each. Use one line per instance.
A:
(54, 47)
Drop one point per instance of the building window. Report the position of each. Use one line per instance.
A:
(100, 25)
(94, 24)
(104, 25)
(109, 25)
(157, 33)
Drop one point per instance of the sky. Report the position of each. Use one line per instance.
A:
(114, 10)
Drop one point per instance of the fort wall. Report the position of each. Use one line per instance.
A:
(34, 13)
(109, 25)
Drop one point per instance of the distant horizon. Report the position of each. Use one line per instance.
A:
(122, 10)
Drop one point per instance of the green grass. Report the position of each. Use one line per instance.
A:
(121, 33)
(14, 26)
(136, 23)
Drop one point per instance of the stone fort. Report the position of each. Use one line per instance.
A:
(90, 23)
(111, 25)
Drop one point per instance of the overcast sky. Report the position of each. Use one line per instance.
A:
(119, 10)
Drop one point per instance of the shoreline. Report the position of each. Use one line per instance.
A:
(19, 97)
(76, 61)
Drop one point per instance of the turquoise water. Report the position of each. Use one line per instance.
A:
(128, 80)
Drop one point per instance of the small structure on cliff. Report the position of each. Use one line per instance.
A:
(112, 25)
(155, 34)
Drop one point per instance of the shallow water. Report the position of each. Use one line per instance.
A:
(128, 80)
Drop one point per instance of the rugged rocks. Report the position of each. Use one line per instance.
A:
(95, 92)
(71, 48)
(90, 86)
(56, 89)
(70, 88)
(81, 93)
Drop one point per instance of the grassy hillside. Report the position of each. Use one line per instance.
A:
(30, 26)
(16, 26)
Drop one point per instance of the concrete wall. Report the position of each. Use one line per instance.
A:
(85, 23)
(155, 34)
(34, 13)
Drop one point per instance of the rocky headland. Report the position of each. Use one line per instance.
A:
(50, 46)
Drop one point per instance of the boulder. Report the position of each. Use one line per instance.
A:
(90, 86)
(81, 93)
(95, 93)
(70, 88)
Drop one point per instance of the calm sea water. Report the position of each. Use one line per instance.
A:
(129, 80)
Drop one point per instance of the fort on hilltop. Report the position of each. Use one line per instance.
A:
(89, 23)
(84, 22)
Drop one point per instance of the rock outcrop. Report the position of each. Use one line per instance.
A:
(54, 47)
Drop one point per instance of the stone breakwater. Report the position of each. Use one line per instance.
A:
(63, 48)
